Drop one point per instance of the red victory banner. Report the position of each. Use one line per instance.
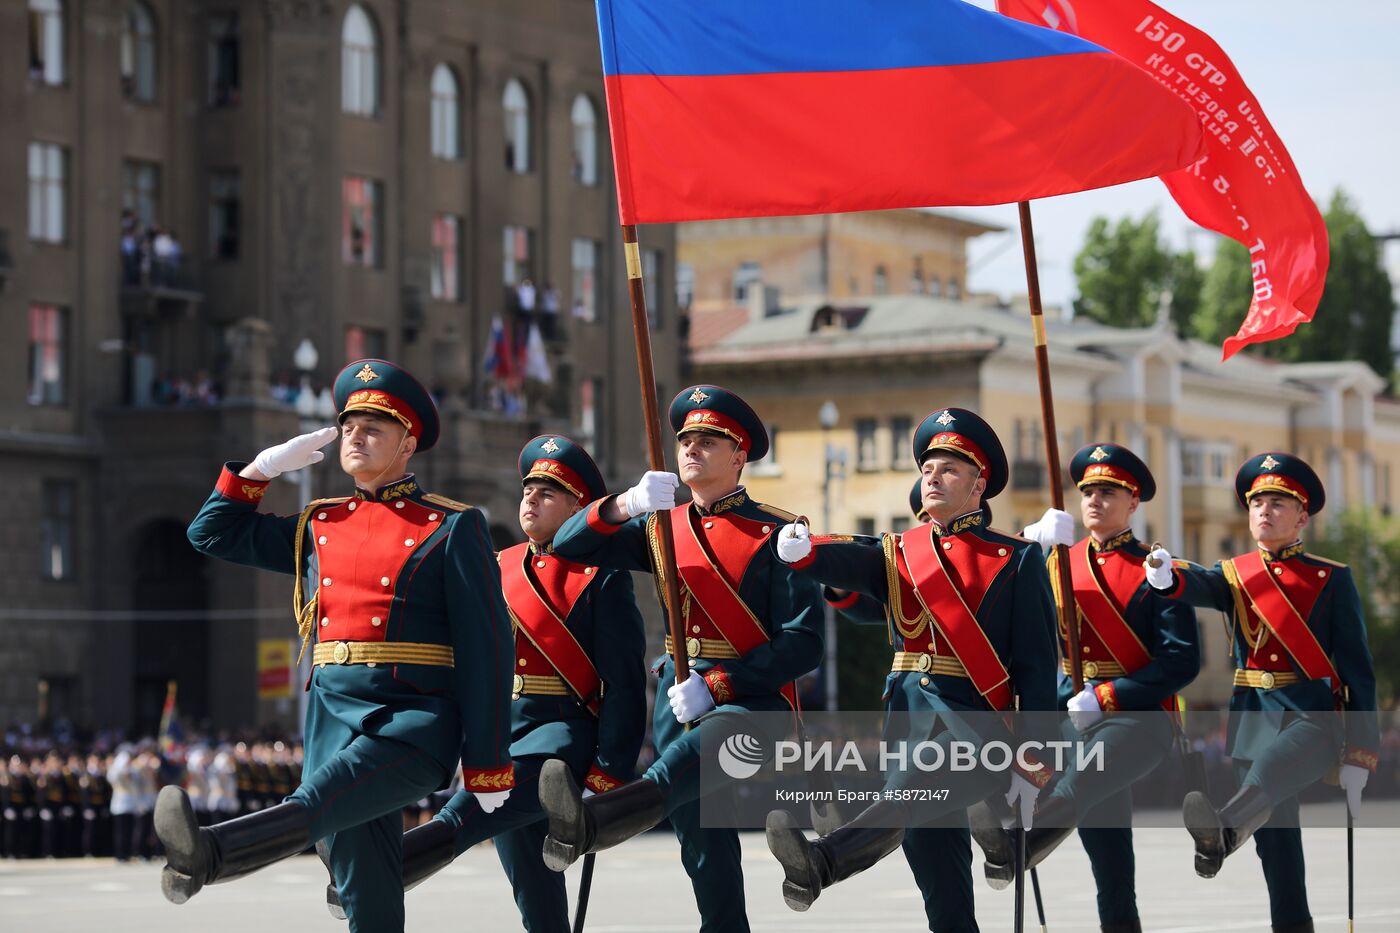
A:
(1245, 186)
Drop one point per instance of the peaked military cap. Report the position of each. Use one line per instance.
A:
(380, 386)
(1282, 473)
(1114, 464)
(719, 411)
(916, 497)
(963, 432)
(563, 461)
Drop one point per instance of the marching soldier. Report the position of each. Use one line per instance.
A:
(949, 659)
(413, 654)
(754, 627)
(1138, 649)
(1299, 644)
(579, 687)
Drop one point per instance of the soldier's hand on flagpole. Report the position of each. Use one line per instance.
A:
(1159, 569)
(295, 454)
(654, 492)
(1084, 708)
(794, 543)
(1023, 794)
(490, 800)
(690, 700)
(1353, 780)
(1055, 527)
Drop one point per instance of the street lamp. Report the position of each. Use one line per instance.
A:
(834, 467)
(308, 407)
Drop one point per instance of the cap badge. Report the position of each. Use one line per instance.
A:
(550, 447)
(1269, 463)
(1098, 454)
(945, 419)
(366, 374)
(697, 396)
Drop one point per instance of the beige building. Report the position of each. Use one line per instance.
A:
(887, 361)
(374, 177)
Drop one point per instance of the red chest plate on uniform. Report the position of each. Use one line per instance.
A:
(731, 542)
(361, 547)
(553, 585)
(1103, 593)
(974, 564)
(1302, 584)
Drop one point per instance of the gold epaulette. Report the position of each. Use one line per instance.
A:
(445, 502)
(329, 500)
(777, 512)
(1326, 560)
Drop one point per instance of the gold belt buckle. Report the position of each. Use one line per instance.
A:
(1266, 680)
(342, 652)
(925, 662)
(517, 687)
(1091, 670)
(692, 647)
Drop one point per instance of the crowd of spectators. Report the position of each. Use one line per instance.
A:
(151, 255)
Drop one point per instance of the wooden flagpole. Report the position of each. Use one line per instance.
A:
(1069, 615)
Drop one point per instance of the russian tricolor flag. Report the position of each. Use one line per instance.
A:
(745, 108)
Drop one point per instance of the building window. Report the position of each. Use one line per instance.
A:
(46, 41)
(225, 208)
(916, 280)
(954, 289)
(57, 535)
(900, 445)
(651, 284)
(517, 115)
(359, 64)
(141, 191)
(881, 281)
(865, 526)
(365, 343)
(685, 285)
(748, 273)
(867, 457)
(585, 152)
(47, 192)
(899, 524)
(447, 258)
(138, 53)
(360, 223)
(225, 79)
(585, 282)
(590, 428)
(446, 135)
(47, 369)
(517, 250)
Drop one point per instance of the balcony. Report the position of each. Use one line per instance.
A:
(160, 291)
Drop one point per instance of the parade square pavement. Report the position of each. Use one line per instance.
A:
(640, 887)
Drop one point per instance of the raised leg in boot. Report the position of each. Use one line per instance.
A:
(810, 867)
(578, 826)
(1219, 833)
(1054, 821)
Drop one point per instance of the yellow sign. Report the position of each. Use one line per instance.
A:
(274, 668)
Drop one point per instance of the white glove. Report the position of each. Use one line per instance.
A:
(1353, 778)
(654, 492)
(490, 800)
(1159, 577)
(301, 451)
(690, 700)
(1055, 527)
(1084, 708)
(794, 543)
(1022, 794)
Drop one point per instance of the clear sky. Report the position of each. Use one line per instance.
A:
(1327, 75)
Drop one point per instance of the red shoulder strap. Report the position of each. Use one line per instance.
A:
(535, 614)
(1273, 606)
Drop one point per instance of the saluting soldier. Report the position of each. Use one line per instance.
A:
(972, 623)
(413, 654)
(1299, 644)
(579, 687)
(753, 628)
(1138, 650)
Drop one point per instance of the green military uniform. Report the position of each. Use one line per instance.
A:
(738, 535)
(412, 666)
(1003, 576)
(1305, 690)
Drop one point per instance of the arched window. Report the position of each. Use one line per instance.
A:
(359, 64)
(139, 53)
(882, 281)
(585, 152)
(517, 110)
(446, 143)
(46, 41)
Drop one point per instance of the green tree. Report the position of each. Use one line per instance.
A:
(1122, 272)
(1369, 543)
(1186, 282)
(1225, 294)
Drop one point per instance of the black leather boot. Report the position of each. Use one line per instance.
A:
(1217, 834)
(578, 826)
(427, 850)
(1054, 821)
(809, 867)
(1305, 927)
(1133, 926)
(196, 856)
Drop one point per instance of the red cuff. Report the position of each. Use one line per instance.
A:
(1178, 582)
(240, 488)
(1039, 778)
(1361, 757)
(721, 687)
(600, 781)
(1107, 697)
(844, 602)
(596, 521)
(494, 779)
